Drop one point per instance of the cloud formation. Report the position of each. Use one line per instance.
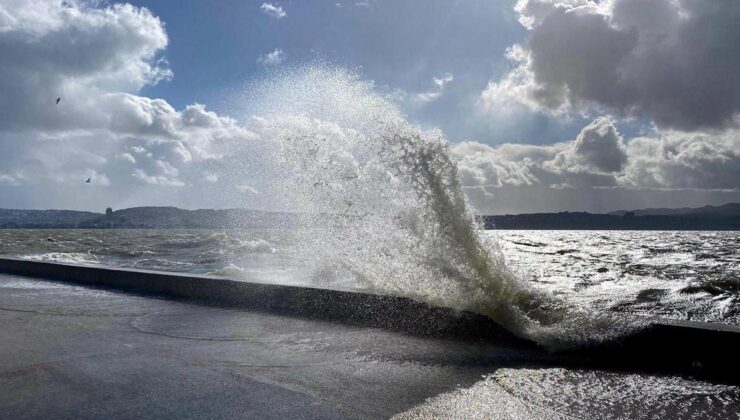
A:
(79, 53)
(673, 62)
(96, 59)
(435, 93)
(273, 11)
(273, 58)
(600, 158)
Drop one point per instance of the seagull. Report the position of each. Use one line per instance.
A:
(88, 180)
(59, 100)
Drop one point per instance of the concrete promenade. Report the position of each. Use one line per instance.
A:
(73, 351)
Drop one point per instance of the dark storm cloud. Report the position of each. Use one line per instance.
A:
(674, 62)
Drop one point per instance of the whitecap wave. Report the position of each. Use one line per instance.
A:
(254, 247)
(64, 257)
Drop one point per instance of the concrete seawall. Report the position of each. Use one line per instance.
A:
(699, 349)
(354, 308)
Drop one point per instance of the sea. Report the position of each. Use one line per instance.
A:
(656, 274)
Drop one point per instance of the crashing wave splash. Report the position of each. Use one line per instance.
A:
(384, 207)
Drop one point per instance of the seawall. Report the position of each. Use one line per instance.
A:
(698, 349)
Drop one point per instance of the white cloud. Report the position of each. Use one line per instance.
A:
(127, 157)
(438, 90)
(182, 152)
(157, 179)
(166, 168)
(425, 97)
(443, 81)
(518, 92)
(7, 180)
(273, 11)
(96, 57)
(599, 157)
(104, 50)
(273, 58)
(246, 189)
(670, 61)
(531, 13)
(681, 160)
(108, 55)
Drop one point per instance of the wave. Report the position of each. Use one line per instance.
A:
(400, 222)
(230, 270)
(64, 257)
(723, 286)
(257, 246)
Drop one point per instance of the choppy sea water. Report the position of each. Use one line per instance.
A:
(557, 393)
(678, 275)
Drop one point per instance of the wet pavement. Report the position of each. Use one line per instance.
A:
(77, 352)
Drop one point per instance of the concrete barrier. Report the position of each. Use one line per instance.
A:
(704, 350)
(380, 311)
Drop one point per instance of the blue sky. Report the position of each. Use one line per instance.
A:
(399, 45)
(548, 105)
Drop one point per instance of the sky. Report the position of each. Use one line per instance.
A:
(548, 105)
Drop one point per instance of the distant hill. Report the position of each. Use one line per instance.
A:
(44, 218)
(176, 218)
(145, 218)
(726, 217)
(731, 209)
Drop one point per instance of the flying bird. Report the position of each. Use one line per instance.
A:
(88, 180)
(59, 100)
